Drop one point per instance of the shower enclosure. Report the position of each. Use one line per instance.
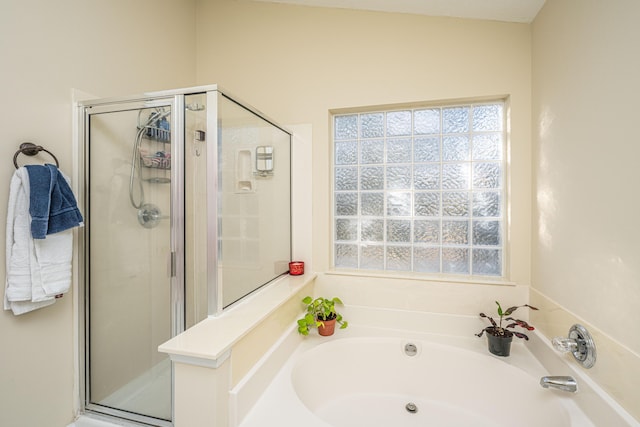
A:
(187, 208)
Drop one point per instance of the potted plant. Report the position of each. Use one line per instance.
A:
(498, 337)
(321, 313)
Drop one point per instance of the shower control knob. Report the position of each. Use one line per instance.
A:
(564, 345)
(149, 215)
(579, 343)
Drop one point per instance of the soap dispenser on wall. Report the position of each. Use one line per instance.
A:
(264, 160)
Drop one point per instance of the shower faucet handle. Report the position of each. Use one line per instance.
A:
(564, 345)
(579, 343)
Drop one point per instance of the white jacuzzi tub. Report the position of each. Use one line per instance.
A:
(374, 382)
(362, 376)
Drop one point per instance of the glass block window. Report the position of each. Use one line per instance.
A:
(420, 190)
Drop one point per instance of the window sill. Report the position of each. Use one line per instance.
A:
(441, 278)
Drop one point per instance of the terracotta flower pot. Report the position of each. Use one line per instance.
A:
(327, 328)
(500, 345)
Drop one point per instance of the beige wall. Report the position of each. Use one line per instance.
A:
(103, 47)
(585, 232)
(297, 63)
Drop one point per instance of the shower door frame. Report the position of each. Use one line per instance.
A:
(175, 101)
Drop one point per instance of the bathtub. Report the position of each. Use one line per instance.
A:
(376, 382)
(380, 376)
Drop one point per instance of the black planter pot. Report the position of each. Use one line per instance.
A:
(500, 345)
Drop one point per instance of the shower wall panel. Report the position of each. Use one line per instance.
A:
(255, 207)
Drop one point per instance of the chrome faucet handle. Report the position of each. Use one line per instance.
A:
(579, 343)
(564, 345)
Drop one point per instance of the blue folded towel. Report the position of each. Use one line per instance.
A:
(52, 205)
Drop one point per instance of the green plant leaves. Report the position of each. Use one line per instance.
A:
(515, 322)
(319, 310)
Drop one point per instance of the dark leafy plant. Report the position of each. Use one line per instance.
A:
(497, 329)
(320, 310)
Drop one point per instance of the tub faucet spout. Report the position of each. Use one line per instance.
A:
(564, 383)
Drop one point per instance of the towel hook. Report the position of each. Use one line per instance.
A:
(31, 149)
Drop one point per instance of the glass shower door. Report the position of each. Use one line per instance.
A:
(131, 291)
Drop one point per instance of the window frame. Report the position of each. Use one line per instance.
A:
(503, 189)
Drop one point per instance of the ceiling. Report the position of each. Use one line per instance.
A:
(495, 10)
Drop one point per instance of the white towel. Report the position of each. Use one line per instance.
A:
(39, 271)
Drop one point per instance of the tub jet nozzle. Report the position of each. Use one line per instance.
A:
(410, 349)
